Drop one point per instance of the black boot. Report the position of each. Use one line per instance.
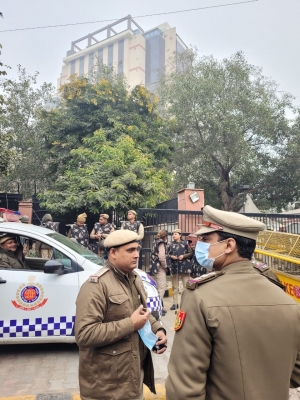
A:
(174, 307)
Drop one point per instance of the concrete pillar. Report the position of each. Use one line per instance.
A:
(190, 199)
(25, 208)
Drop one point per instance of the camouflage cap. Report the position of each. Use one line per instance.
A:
(230, 222)
(106, 216)
(47, 217)
(24, 219)
(132, 212)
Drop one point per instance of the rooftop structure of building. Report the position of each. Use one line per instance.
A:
(141, 56)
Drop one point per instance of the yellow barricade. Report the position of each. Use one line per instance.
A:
(281, 252)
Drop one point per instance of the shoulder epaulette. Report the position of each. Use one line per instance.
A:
(261, 267)
(192, 284)
(95, 277)
(279, 284)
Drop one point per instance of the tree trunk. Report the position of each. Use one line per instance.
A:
(225, 203)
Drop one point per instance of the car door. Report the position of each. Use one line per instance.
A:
(39, 306)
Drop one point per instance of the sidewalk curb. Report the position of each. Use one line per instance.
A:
(160, 395)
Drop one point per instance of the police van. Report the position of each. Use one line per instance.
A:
(38, 304)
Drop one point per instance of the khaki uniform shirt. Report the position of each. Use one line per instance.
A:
(11, 260)
(111, 354)
(240, 339)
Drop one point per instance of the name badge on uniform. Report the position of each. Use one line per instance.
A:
(180, 317)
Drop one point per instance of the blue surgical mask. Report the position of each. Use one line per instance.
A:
(148, 336)
(201, 253)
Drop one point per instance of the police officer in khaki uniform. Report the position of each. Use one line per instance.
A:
(159, 263)
(111, 308)
(11, 255)
(237, 334)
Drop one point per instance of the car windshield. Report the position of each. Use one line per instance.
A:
(89, 255)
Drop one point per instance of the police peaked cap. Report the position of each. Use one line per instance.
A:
(230, 222)
(120, 238)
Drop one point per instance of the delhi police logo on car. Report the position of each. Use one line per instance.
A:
(30, 296)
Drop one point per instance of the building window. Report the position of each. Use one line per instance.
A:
(81, 66)
(73, 67)
(155, 57)
(120, 56)
(110, 55)
(155, 32)
(179, 47)
(99, 61)
(91, 65)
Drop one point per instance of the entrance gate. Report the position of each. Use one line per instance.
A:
(156, 219)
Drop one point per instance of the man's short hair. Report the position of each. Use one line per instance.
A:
(245, 246)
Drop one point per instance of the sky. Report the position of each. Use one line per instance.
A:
(267, 31)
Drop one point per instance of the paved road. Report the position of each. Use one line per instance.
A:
(52, 369)
(33, 369)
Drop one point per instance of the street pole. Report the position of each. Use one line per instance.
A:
(244, 188)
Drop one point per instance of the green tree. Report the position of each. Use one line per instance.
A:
(229, 127)
(20, 111)
(105, 174)
(105, 103)
(286, 177)
(8, 154)
(88, 135)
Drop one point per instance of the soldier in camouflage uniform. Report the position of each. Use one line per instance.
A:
(159, 263)
(133, 225)
(47, 222)
(179, 262)
(41, 249)
(79, 231)
(100, 231)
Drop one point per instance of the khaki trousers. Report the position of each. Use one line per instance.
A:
(175, 284)
(161, 280)
(46, 253)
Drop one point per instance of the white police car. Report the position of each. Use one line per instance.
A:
(38, 304)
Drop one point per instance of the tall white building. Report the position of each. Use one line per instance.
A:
(141, 56)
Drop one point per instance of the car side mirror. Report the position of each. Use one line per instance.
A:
(53, 266)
